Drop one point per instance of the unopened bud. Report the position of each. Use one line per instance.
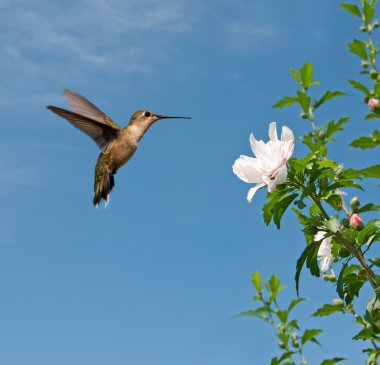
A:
(373, 74)
(355, 204)
(337, 301)
(322, 134)
(356, 222)
(303, 115)
(281, 345)
(365, 64)
(373, 103)
(363, 28)
(375, 24)
(339, 169)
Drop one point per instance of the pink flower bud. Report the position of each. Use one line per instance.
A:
(373, 104)
(356, 222)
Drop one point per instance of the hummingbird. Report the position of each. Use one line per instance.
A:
(117, 145)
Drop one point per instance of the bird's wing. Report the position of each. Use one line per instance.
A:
(103, 134)
(84, 107)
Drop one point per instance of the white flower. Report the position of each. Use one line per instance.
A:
(324, 252)
(269, 166)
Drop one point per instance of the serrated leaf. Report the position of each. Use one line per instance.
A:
(360, 86)
(332, 225)
(328, 96)
(358, 48)
(256, 280)
(286, 101)
(328, 309)
(334, 127)
(365, 334)
(332, 361)
(309, 335)
(351, 8)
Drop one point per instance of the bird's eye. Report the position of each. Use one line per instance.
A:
(147, 114)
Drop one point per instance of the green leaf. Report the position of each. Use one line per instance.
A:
(260, 312)
(369, 230)
(294, 303)
(332, 225)
(360, 86)
(365, 334)
(368, 208)
(371, 171)
(334, 127)
(371, 116)
(273, 198)
(359, 48)
(328, 309)
(332, 361)
(304, 100)
(286, 101)
(364, 142)
(339, 284)
(296, 75)
(280, 207)
(310, 251)
(256, 280)
(375, 261)
(310, 335)
(282, 315)
(368, 12)
(306, 73)
(328, 96)
(351, 8)
(274, 284)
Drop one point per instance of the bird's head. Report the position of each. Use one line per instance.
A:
(146, 117)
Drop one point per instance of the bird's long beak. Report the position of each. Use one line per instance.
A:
(166, 117)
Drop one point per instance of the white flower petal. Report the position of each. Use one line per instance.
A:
(253, 190)
(286, 134)
(324, 252)
(325, 263)
(273, 132)
(248, 169)
(280, 178)
(258, 147)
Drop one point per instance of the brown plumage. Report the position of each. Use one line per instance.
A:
(117, 144)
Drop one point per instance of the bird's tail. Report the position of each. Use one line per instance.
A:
(104, 181)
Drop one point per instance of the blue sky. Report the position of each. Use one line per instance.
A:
(157, 276)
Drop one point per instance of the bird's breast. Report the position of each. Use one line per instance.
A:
(122, 150)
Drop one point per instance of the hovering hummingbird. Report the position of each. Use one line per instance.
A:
(117, 145)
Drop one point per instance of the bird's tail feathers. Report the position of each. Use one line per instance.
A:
(104, 183)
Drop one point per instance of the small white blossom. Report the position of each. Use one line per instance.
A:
(324, 252)
(269, 165)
